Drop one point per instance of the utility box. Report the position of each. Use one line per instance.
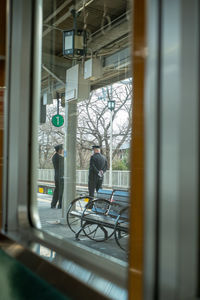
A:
(93, 69)
(47, 98)
(76, 86)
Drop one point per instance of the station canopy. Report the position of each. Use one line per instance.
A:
(107, 25)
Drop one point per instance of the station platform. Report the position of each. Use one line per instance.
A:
(50, 222)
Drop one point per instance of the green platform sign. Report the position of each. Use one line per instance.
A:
(57, 120)
(50, 191)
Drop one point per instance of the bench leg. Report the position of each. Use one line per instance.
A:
(105, 232)
(77, 233)
(92, 234)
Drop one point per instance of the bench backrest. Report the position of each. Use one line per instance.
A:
(114, 195)
(119, 199)
(104, 194)
(102, 207)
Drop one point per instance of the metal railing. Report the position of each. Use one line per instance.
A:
(120, 179)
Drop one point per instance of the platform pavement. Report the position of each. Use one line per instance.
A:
(50, 221)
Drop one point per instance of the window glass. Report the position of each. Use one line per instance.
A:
(85, 123)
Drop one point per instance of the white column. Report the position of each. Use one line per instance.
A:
(70, 159)
(111, 131)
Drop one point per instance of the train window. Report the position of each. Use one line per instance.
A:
(68, 133)
(84, 131)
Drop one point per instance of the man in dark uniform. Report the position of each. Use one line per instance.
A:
(58, 163)
(98, 166)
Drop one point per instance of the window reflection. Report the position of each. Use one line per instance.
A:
(109, 289)
(45, 252)
(86, 101)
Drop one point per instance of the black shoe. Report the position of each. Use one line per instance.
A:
(53, 207)
(59, 207)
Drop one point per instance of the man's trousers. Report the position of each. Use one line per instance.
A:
(58, 193)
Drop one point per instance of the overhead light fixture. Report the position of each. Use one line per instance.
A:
(73, 42)
(74, 39)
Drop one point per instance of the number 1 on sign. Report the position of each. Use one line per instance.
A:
(57, 120)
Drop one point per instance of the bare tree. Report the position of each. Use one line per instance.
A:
(94, 118)
(94, 125)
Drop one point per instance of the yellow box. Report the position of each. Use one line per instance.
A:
(41, 190)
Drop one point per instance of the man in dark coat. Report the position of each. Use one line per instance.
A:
(58, 163)
(98, 166)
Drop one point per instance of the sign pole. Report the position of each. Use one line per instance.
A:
(57, 95)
